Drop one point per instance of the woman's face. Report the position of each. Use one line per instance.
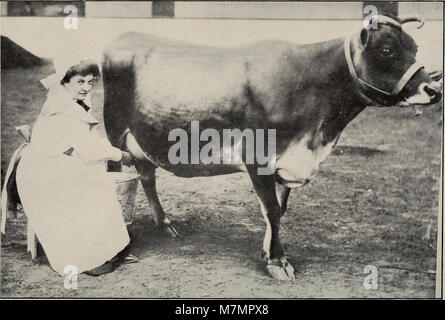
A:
(79, 86)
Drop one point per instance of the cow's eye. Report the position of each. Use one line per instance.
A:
(386, 53)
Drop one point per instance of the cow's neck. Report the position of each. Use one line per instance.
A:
(345, 102)
(333, 101)
(320, 107)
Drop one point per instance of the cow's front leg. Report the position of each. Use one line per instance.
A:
(282, 196)
(277, 265)
(147, 172)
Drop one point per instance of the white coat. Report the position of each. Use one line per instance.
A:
(68, 198)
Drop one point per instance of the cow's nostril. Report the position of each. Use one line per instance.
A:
(430, 91)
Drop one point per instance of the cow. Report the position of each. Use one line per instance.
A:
(307, 93)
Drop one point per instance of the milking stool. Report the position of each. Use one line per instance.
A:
(31, 239)
(10, 197)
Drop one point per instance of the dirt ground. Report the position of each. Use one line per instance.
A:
(373, 202)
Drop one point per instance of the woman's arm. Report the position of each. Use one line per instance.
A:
(87, 143)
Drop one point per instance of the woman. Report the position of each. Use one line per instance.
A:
(66, 194)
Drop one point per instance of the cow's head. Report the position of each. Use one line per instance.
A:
(383, 58)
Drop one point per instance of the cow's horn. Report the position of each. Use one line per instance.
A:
(413, 18)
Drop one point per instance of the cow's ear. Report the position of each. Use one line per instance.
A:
(364, 37)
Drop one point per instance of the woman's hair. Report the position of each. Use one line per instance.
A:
(83, 68)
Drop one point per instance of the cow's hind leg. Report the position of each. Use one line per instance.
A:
(277, 265)
(147, 172)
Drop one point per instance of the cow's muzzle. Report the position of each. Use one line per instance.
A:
(434, 92)
(427, 94)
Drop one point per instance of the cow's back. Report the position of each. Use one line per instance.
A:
(178, 75)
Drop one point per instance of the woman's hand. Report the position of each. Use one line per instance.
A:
(127, 159)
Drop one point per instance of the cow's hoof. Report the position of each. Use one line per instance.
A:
(170, 231)
(280, 269)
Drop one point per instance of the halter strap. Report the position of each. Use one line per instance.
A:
(406, 77)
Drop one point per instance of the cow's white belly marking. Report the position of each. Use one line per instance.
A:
(299, 163)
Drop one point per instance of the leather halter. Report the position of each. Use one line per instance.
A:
(371, 94)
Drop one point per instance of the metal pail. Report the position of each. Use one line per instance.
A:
(126, 185)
